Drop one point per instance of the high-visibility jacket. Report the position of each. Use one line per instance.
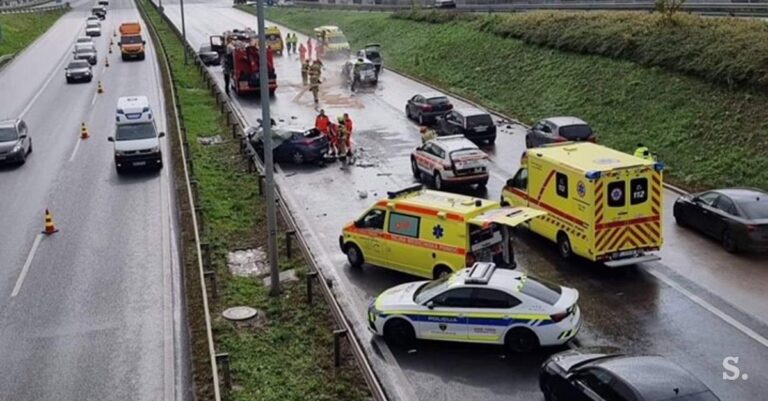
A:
(322, 122)
(643, 152)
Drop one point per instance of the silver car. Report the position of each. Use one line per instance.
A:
(15, 142)
(558, 129)
(86, 52)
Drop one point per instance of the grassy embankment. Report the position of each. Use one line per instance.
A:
(19, 30)
(692, 90)
(291, 356)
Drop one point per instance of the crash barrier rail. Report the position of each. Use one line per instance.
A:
(238, 124)
(32, 9)
(193, 199)
(734, 8)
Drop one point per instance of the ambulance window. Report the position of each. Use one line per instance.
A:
(403, 224)
(374, 219)
(562, 185)
(487, 298)
(616, 197)
(521, 179)
(639, 188)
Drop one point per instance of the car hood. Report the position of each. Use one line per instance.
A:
(7, 146)
(138, 144)
(398, 297)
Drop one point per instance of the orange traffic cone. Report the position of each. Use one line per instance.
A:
(50, 228)
(84, 132)
(100, 88)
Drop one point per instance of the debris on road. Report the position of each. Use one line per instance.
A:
(362, 194)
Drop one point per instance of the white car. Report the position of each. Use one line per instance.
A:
(92, 19)
(84, 40)
(481, 304)
(93, 29)
(137, 142)
(450, 160)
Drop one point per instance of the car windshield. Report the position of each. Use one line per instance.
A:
(337, 39)
(578, 132)
(438, 101)
(431, 289)
(132, 132)
(755, 208)
(130, 40)
(8, 134)
(78, 64)
(84, 49)
(373, 55)
(273, 37)
(478, 120)
(368, 67)
(539, 289)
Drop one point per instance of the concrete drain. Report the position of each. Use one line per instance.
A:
(248, 263)
(244, 316)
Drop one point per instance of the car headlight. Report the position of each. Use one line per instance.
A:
(68, 74)
(16, 148)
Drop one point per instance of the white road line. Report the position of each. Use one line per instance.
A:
(74, 151)
(93, 99)
(28, 262)
(711, 308)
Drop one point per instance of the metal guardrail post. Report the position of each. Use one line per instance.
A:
(337, 335)
(211, 276)
(310, 279)
(289, 236)
(223, 359)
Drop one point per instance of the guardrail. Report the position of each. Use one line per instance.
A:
(722, 8)
(191, 198)
(31, 9)
(238, 124)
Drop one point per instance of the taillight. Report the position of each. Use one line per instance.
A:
(558, 317)
(426, 108)
(469, 259)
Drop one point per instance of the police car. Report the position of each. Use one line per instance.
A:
(450, 160)
(481, 304)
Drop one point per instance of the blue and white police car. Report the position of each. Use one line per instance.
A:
(481, 304)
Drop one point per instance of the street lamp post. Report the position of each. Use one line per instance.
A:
(266, 126)
(183, 30)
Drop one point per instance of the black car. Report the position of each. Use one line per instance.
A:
(426, 108)
(474, 124)
(584, 376)
(372, 51)
(445, 4)
(738, 217)
(558, 129)
(293, 146)
(99, 11)
(78, 71)
(15, 142)
(209, 56)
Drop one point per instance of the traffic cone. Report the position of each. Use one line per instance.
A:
(100, 88)
(50, 228)
(111, 42)
(106, 62)
(84, 131)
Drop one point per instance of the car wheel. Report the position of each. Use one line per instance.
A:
(408, 112)
(30, 146)
(23, 158)
(521, 340)
(354, 255)
(482, 184)
(297, 157)
(528, 144)
(728, 242)
(69, 81)
(437, 180)
(119, 169)
(399, 333)
(415, 169)
(564, 246)
(441, 271)
(492, 141)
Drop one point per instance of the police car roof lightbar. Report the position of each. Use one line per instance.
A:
(480, 273)
(395, 194)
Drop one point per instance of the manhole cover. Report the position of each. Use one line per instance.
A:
(240, 313)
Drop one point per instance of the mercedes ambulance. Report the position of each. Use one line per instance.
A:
(137, 142)
(431, 233)
(602, 204)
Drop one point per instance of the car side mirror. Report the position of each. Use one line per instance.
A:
(23, 136)
(111, 139)
(160, 135)
(143, 42)
(431, 305)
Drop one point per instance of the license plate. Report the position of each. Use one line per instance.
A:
(627, 253)
(141, 163)
(481, 129)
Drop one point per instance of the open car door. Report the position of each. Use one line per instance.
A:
(510, 216)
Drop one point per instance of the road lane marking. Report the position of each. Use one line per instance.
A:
(27, 263)
(93, 99)
(74, 151)
(711, 308)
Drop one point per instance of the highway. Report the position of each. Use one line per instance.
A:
(697, 306)
(94, 311)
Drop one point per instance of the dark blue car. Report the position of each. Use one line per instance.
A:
(293, 146)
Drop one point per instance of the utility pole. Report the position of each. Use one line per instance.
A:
(266, 129)
(184, 31)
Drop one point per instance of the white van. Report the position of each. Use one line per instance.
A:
(137, 142)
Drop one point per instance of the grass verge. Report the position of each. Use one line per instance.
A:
(19, 30)
(707, 134)
(290, 356)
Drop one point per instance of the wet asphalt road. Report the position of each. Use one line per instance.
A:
(655, 308)
(96, 314)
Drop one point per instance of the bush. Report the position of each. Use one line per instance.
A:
(726, 50)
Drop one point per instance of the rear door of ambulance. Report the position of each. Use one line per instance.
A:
(628, 212)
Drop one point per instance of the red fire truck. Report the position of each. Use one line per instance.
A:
(241, 58)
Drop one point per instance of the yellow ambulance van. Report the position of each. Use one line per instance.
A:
(602, 204)
(431, 233)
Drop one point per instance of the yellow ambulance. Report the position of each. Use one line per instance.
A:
(431, 233)
(274, 39)
(602, 204)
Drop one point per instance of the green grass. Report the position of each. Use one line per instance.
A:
(707, 134)
(19, 30)
(290, 357)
